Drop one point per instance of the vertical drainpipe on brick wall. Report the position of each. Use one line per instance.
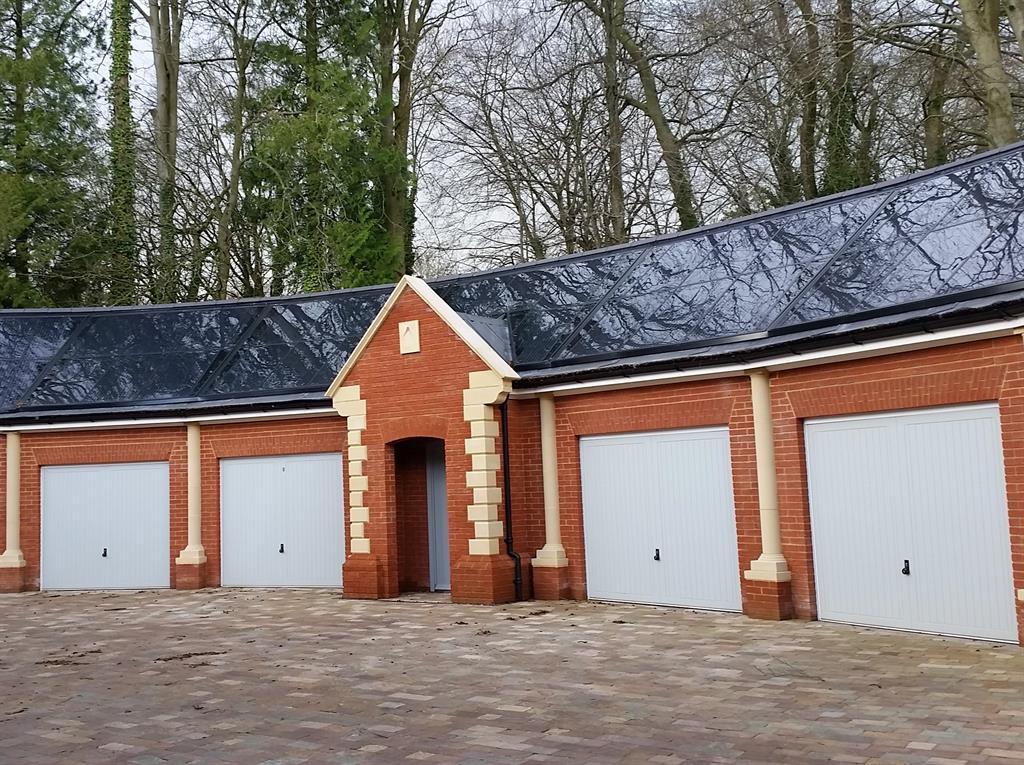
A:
(12, 556)
(507, 483)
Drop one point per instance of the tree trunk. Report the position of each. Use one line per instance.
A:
(124, 238)
(226, 219)
(936, 151)
(840, 173)
(614, 12)
(165, 21)
(20, 134)
(981, 21)
(392, 177)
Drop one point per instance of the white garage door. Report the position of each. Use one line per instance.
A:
(909, 521)
(658, 518)
(282, 521)
(105, 527)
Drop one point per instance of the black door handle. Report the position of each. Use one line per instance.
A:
(906, 568)
(282, 548)
(104, 553)
(657, 553)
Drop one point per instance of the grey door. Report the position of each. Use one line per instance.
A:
(437, 518)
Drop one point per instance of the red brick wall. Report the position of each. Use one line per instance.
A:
(527, 481)
(411, 515)
(683, 405)
(257, 439)
(419, 395)
(989, 370)
(39, 449)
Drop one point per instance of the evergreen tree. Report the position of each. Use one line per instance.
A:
(315, 157)
(47, 159)
(123, 237)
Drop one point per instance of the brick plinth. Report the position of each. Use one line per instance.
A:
(483, 579)
(551, 583)
(363, 576)
(189, 577)
(14, 580)
(772, 601)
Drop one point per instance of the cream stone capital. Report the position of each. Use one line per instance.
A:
(551, 556)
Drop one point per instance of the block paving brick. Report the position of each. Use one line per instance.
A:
(303, 676)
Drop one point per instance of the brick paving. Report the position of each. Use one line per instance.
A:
(280, 677)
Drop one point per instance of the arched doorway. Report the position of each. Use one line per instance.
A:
(421, 504)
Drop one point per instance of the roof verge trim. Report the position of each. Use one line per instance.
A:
(445, 312)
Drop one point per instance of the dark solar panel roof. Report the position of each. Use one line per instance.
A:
(942, 243)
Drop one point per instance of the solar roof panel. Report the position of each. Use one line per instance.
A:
(940, 236)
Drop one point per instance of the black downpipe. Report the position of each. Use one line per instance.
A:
(507, 496)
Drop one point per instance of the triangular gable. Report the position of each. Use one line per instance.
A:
(446, 313)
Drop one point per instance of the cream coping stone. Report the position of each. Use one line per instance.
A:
(483, 547)
(483, 512)
(483, 445)
(359, 515)
(486, 462)
(478, 478)
(489, 529)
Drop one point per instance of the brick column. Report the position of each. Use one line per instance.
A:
(768, 593)
(363, 571)
(485, 574)
(12, 562)
(190, 573)
(551, 566)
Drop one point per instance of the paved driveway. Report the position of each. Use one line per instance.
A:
(304, 677)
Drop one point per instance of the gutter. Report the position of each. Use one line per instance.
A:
(848, 352)
(166, 422)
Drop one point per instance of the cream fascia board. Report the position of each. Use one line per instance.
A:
(852, 352)
(167, 422)
(447, 314)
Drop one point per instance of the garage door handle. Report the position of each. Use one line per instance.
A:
(104, 553)
(282, 548)
(657, 553)
(906, 568)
